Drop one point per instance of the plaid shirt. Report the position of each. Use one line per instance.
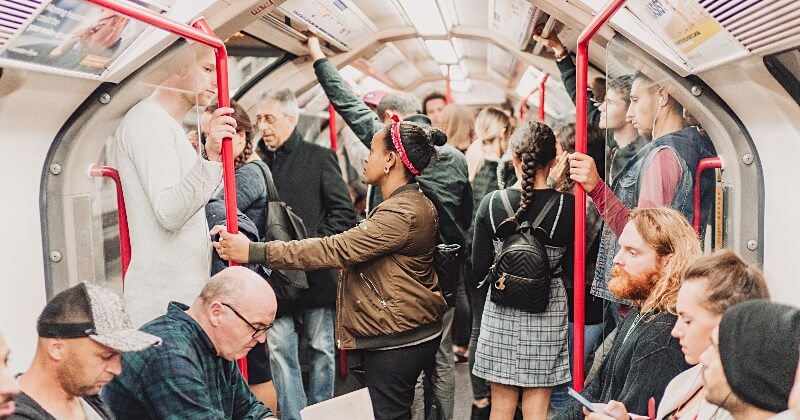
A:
(181, 379)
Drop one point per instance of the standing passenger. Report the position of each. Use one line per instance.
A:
(433, 106)
(459, 126)
(518, 351)
(167, 186)
(388, 300)
(308, 180)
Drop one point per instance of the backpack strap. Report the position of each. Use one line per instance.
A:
(545, 211)
(507, 202)
(272, 191)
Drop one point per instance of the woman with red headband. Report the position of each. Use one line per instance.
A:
(389, 305)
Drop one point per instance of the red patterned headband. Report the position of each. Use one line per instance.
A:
(398, 145)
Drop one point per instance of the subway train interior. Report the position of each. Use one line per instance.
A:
(734, 66)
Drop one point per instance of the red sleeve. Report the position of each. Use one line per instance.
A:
(614, 213)
(660, 180)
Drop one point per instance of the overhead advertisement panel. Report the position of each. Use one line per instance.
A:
(513, 19)
(72, 36)
(340, 21)
(687, 28)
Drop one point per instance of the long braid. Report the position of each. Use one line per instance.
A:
(245, 155)
(535, 146)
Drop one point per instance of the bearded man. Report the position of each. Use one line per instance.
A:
(654, 248)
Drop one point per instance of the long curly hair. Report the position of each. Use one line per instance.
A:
(534, 144)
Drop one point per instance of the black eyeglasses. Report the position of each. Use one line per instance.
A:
(257, 332)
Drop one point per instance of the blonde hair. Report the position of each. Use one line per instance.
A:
(728, 280)
(669, 233)
(492, 124)
(458, 124)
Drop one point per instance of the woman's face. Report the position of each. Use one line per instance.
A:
(379, 158)
(239, 141)
(695, 322)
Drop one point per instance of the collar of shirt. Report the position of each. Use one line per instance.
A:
(177, 312)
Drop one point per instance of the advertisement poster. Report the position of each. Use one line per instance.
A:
(74, 35)
(688, 29)
(339, 20)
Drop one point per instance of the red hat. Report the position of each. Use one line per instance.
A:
(373, 98)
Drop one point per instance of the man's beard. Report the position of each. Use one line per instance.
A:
(633, 287)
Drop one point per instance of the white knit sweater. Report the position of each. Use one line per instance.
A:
(166, 186)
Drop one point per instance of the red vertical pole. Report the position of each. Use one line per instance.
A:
(581, 64)
(702, 166)
(448, 93)
(542, 85)
(332, 126)
(122, 216)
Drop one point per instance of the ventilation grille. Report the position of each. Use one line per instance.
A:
(13, 16)
(756, 23)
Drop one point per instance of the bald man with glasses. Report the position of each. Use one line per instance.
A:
(194, 373)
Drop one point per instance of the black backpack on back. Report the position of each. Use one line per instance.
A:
(520, 275)
(282, 224)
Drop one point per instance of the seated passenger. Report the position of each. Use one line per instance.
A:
(389, 304)
(8, 385)
(167, 186)
(748, 368)
(82, 332)
(711, 285)
(520, 352)
(661, 174)
(655, 247)
(194, 374)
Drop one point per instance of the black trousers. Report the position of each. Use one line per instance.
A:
(391, 376)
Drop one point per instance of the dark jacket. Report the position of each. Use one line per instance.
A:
(27, 408)
(389, 293)
(568, 77)
(637, 368)
(308, 179)
(444, 181)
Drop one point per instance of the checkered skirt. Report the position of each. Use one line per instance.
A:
(524, 349)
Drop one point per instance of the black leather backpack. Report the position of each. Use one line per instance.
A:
(520, 275)
(282, 224)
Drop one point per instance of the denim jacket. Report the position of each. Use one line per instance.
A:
(690, 147)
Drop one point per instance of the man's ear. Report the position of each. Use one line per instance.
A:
(387, 116)
(56, 348)
(214, 311)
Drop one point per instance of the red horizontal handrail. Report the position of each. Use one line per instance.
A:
(122, 215)
(582, 64)
(202, 33)
(702, 166)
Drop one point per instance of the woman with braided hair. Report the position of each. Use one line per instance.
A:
(520, 351)
(389, 304)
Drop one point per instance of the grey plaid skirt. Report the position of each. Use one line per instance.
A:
(524, 349)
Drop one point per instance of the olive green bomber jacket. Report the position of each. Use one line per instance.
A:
(388, 294)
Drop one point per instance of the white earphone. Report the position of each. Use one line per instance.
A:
(660, 101)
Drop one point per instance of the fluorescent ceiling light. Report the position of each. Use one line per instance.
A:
(426, 19)
(449, 13)
(461, 85)
(442, 51)
(529, 81)
(456, 72)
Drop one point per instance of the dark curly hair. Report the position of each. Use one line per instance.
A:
(418, 141)
(534, 144)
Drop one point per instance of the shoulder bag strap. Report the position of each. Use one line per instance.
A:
(545, 211)
(507, 202)
(272, 191)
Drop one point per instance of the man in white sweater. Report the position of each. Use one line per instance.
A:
(167, 185)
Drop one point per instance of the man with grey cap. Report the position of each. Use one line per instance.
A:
(82, 333)
(194, 374)
(749, 367)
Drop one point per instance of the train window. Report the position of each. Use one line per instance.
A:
(81, 227)
(785, 67)
(660, 129)
(251, 59)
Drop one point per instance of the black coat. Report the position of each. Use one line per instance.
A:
(309, 180)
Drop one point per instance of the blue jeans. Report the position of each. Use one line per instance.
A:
(283, 341)
(593, 336)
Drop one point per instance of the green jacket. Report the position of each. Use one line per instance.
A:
(445, 181)
(569, 79)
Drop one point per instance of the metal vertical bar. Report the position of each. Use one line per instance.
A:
(332, 126)
(702, 166)
(582, 63)
(542, 85)
(122, 216)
